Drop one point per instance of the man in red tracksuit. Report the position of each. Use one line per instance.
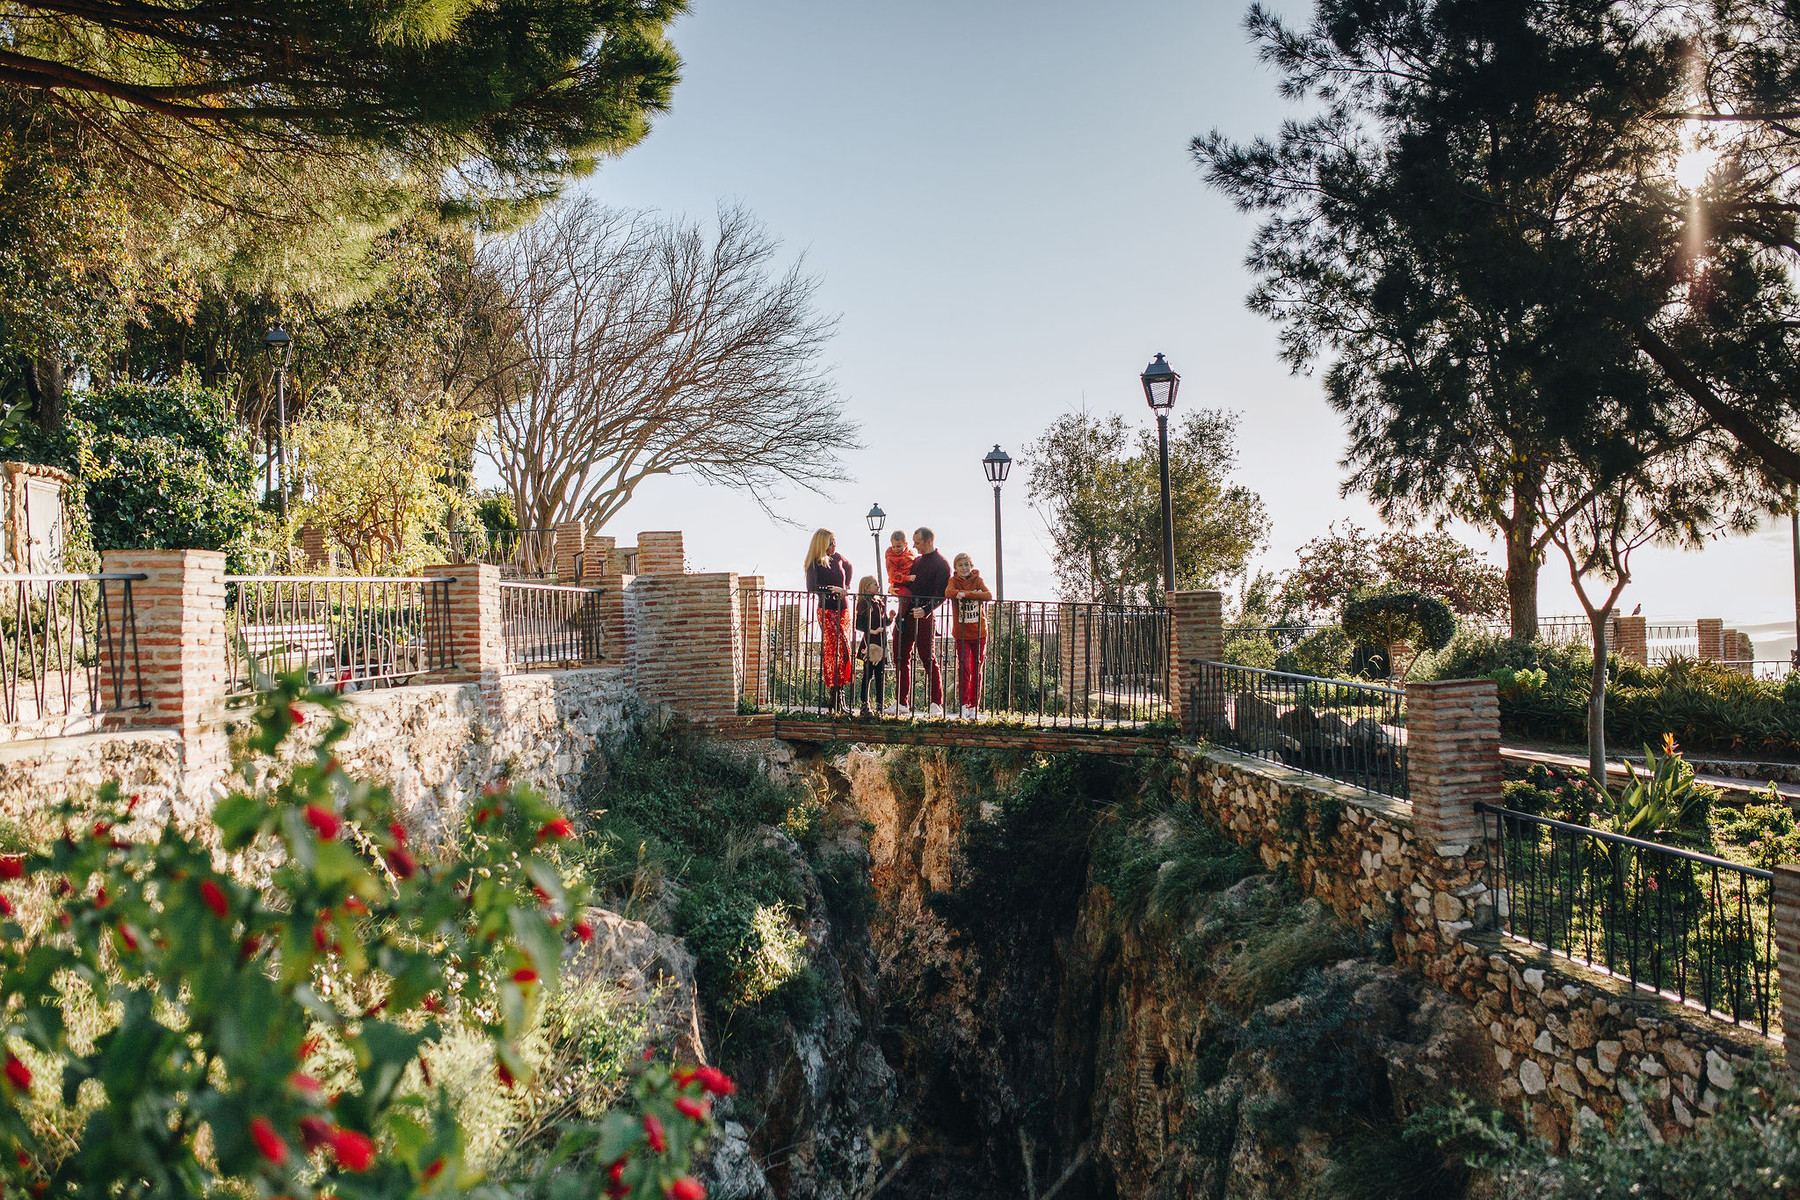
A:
(918, 622)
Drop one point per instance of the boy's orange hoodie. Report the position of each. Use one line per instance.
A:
(968, 617)
(899, 569)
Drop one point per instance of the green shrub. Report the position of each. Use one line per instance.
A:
(1768, 833)
(163, 466)
(1388, 618)
(1249, 651)
(1326, 653)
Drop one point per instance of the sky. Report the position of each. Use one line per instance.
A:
(999, 203)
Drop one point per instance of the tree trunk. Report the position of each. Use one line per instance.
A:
(1522, 568)
(1597, 698)
(45, 385)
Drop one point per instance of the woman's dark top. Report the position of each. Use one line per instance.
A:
(833, 572)
(872, 618)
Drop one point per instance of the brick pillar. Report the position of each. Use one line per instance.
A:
(1633, 643)
(1710, 633)
(598, 561)
(1452, 758)
(756, 650)
(570, 548)
(1075, 629)
(315, 551)
(1786, 903)
(615, 624)
(477, 645)
(687, 652)
(1197, 635)
(660, 553)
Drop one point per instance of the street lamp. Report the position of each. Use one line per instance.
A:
(1160, 382)
(280, 346)
(996, 465)
(877, 519)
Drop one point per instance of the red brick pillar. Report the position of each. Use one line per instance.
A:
(1633, 643)
(570, 548)
(477, 644)
(1075, 632)
(756, 666)
(597, 562)
(1710, 633)
(315, 550)
(180, 618)
(687, 654)
(1197, 635)
(616, 626)
(1786, 903)
(1452, 758)
(660, 553)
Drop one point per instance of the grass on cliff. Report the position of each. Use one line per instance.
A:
(696, 837)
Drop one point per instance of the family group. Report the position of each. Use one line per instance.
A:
(920, 581)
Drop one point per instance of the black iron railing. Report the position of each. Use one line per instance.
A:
(1689, 925)
(1354, 732)
(1043, 663)
(349, 631)
(519, 553)
(549, 626)
(68, 648)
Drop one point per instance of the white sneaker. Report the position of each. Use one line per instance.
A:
(968, 712)
(937, 710)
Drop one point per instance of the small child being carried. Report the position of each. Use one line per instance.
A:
(899, 565)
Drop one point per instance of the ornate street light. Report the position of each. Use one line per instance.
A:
(995, 466)
(1160, 383)
(877, 519)
(280, 347)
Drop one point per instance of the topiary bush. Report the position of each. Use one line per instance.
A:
(1387, 619)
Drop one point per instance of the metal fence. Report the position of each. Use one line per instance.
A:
(1354, 732)
(1663, 642)
(1691, 926)
(549, 626)
(351, 631)
(519, 553)
(68, 648)
(1045, 664)
(1759, 668)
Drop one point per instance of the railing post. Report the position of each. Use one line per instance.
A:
(1633, 640)
(477, 640)
(1452, 759)
(1709, 636)
(1785, 912)
(756, 670)
(570, 543)
(1197, 625)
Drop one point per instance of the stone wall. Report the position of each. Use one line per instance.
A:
(435, 744)
(1566, 1038)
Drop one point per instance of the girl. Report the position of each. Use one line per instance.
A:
(966, 592)
(872, 623)
(828, 577)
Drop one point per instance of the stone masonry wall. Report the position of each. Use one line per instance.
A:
(1566, 1038)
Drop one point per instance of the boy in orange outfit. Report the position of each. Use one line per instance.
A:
(899, 565)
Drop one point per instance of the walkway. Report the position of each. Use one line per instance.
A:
(983, 734)
(1615, 772)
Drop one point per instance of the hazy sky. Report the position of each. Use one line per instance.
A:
(999, 201)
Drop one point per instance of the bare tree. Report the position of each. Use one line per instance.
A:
(652, 348)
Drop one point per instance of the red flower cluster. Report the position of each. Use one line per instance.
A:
(711, 1079)
(17, 1073)
(556, 829)
(324, 822)
(12, 866)
(584, 931)
(214, 896)
(687, 1188)
(268, 1142)
(653, 1133)
(354, 1151)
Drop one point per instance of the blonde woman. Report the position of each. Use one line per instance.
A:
(828, 576)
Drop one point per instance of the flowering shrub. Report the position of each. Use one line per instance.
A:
(219, 993)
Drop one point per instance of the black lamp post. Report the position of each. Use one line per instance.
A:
(280, 346)
(1160, 382)
(877, 519)
(996, 465)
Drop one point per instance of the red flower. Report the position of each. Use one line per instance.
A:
(401, 863)
(694, 1110)
(715, 1081)
(506, 1076)
(525, 975)
(687, 1188)
(304, 1084)
(323, 820)
(399, 832)
(214, 896)
(295, 715)
(101, 829)
(542, 896)
(251, 945)
(315, 1131)
(653, 1133)
(319, 937)
(6, 907)
(432, 1004)
(616, 1172)
(435, 1169)
(584, 931)
(355, 1151)
(101, 899)
(17, 1073)
(556, 829)
(24, 1158)
(355, 905)
(12, 866)
(268, 1141)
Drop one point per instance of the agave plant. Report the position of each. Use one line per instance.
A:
(1658, 800)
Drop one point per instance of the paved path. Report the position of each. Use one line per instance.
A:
(1616, 771)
